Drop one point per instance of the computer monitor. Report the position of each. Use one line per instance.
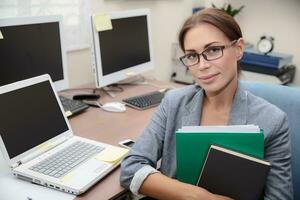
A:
(33, 46)
(125, 50)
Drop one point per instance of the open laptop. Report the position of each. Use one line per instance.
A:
(38, 144)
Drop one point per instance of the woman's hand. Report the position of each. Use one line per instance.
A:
(198, 193)
(159, 186)
(219, 197)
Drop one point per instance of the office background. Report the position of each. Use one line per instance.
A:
(276, 18)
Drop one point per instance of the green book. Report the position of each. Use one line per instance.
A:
(192, 148)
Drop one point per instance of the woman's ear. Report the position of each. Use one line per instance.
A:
(240, 48)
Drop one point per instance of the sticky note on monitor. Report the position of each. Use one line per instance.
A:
(68, 113)
(45, 146)
(131, 74)
(112, 154)
(1, 36)
(102, 22)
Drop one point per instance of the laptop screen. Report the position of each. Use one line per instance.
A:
(29, 116)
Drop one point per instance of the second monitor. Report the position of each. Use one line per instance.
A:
(125, 50)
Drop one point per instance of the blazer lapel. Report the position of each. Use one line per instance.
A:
(239, 108)
(192, 113)
(238, 113)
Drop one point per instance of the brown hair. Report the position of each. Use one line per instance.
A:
(215, 17)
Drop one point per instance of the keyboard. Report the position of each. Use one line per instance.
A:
(66, 159)
(71, 106)
(145, 101)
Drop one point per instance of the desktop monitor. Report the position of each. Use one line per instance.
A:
(125, 50)
(32, 46)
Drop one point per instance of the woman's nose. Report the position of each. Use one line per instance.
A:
(203, 64)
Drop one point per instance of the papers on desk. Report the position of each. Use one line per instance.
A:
(4, 168)
(252, 76)
(26, 190)
(14, 188)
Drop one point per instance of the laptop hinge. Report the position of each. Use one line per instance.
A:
(16, 164)
(43, 148)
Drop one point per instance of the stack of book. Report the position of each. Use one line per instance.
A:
(225, 160)
(272, 63)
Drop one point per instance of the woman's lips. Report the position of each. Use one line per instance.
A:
(208, 78)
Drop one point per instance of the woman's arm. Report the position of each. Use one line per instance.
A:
(278, 152)
(143, 156)
(159, 186)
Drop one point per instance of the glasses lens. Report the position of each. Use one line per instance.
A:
(213, 53)
(190, 59)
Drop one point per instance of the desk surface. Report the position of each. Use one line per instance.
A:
(253, 76)
(111, 128)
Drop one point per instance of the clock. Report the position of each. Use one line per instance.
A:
(265, 44)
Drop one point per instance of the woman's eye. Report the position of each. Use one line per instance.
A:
(191, 56)
(213, 50)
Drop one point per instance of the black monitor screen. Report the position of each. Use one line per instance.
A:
(30, 50)
(126, 45)
(29, 116)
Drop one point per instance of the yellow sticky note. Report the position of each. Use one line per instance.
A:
(112, 154)
(102, 22)
(44, 146)
(68, 113)
(130, 74)
(67, 177)
(166, 89)
(1, 36)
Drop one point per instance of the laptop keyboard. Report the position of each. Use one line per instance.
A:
(72, 106)
(68, 158)
(145, 101)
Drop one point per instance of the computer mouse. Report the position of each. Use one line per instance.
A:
(114, 107)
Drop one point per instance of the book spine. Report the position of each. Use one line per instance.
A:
(263, 69)
(261, 60)
(265, 60)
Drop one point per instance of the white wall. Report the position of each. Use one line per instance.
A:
(167, 17)
(277, 18)
(80, 67)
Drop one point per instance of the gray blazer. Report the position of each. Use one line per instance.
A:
(182, 107)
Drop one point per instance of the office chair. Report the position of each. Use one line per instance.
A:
(288, 100)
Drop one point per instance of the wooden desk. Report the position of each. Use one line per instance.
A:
(111, 128)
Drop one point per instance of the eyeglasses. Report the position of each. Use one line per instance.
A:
(209, 54)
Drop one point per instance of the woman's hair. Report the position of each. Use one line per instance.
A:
(216, 17)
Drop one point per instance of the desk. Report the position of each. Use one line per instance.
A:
(258, 77)
(111, 128)
(282, 76)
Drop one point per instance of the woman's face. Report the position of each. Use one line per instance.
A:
(214, 75)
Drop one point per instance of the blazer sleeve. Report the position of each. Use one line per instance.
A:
(143, 156)
(278, 152)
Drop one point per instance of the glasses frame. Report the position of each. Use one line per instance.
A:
(204, 56)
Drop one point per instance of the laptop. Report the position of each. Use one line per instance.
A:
(37, 141)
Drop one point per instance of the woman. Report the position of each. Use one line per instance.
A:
(212, 44)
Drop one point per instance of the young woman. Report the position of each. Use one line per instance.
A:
(212, 44)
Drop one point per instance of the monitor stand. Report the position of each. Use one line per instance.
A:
(132, 80)
(108, 91)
